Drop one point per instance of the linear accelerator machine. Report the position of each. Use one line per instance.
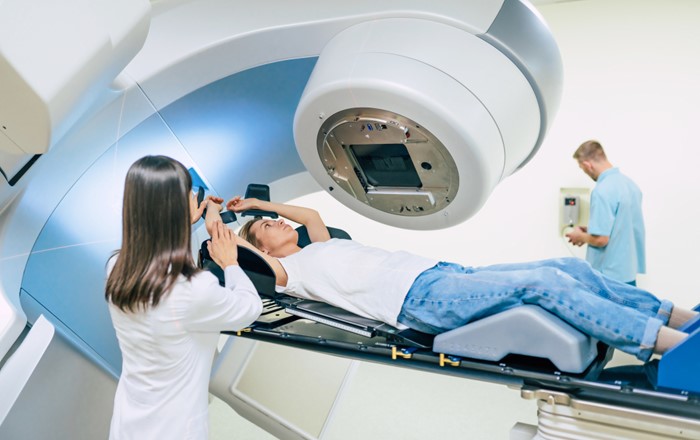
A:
(408, 112)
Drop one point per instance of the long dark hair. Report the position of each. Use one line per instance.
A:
(156, 236)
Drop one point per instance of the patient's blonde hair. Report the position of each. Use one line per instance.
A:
(245, 233)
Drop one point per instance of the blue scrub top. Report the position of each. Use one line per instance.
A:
(616, 212)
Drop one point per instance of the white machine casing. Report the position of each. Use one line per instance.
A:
(55, 59)
(483, 111)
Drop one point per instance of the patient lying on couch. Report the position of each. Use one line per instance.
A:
(430, 296)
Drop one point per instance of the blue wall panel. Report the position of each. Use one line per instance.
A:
(234, 131)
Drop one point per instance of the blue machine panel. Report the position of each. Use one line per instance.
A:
(234, 131)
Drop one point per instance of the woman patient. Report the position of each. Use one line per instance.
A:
(403, 289)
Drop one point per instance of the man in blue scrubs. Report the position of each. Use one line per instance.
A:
(615, 232)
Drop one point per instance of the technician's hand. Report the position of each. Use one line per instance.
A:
(576, 237)
(197, 211)
(222, 247)
(237, 204)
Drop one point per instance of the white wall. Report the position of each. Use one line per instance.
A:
(632, 81)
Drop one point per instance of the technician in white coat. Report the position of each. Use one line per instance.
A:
(167, 313)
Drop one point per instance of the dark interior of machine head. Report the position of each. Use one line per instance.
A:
(386, 165)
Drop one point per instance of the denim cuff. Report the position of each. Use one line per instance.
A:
(664, 312)
(648, 342)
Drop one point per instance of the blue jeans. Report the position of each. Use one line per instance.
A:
(449, 295)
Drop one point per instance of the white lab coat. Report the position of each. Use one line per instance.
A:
(167, 355)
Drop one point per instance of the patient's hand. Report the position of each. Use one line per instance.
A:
(237, 204)
(214, 203)
(197, 211)
(222, 247)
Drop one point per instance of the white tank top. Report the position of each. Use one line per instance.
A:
(364, 280)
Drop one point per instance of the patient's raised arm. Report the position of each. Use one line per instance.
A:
(306, 216)
(212, 215)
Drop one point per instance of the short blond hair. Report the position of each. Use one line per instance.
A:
(590, 150)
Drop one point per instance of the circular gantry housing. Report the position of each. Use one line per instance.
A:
(413, 122)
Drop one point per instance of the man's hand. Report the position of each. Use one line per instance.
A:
(222, 247)
(577, 236)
